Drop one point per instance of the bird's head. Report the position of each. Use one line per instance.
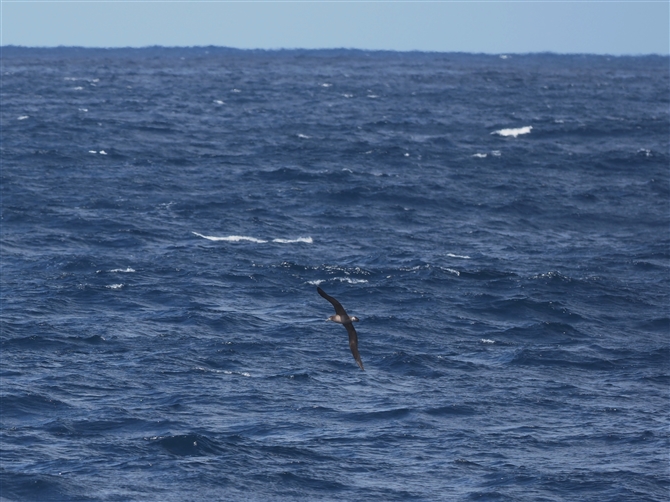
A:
(354, 318)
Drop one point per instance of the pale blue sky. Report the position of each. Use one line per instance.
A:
(600, 27)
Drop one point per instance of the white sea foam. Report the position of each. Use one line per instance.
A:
(451, 255)
(306, 240)
(238, 238)
(83, 109)
(218, 102)
(22, 117)
(225, 372)
(114, 286)
(231, 238)
(496, 153)
(303, 136)
(451, 270)
(480, 155)
(350, 280)
(514, 132)
(127, 270)
(486, 340)
(326, 85)
(102, 152)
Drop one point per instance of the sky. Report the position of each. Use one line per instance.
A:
(491, 26)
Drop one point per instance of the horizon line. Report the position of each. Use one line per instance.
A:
(357, 49)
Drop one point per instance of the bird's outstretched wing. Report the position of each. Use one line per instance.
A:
(339, 309)
(353, 343)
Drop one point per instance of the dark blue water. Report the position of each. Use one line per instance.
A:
(500, 225)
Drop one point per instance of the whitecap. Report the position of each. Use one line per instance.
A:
(79, 88)
(486, 340)
(348, 95)
(225, 372)
(23, 117)
(514, 132)
(83, 109)
(317, 282)
(92, 151)
(238, 238)
(306, 240)
(451, 270)
(480, 155)
(451, 255)
(102, 152)
(326, 85)
(127, 270)
(218, 102)
(350, 280)
(114, 286)
(303, 136)
(496, 153)
(231, 238)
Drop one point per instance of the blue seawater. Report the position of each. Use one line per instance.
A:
(499, 224)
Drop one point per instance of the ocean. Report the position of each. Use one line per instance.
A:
(499, 223)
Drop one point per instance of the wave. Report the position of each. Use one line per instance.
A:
(306, 240)
(239, 238)
(230, 238)
(513, 132)
(350, 280)
(318, 282)
(127, 270)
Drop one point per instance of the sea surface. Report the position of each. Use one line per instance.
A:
(499, 224)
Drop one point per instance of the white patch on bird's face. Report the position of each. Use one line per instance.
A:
(354, 319)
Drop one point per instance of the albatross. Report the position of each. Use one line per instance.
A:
(342, 317)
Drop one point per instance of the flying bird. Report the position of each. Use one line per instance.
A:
(342, 317)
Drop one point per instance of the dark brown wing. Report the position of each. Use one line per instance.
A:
(339, 309)
(353, 343)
